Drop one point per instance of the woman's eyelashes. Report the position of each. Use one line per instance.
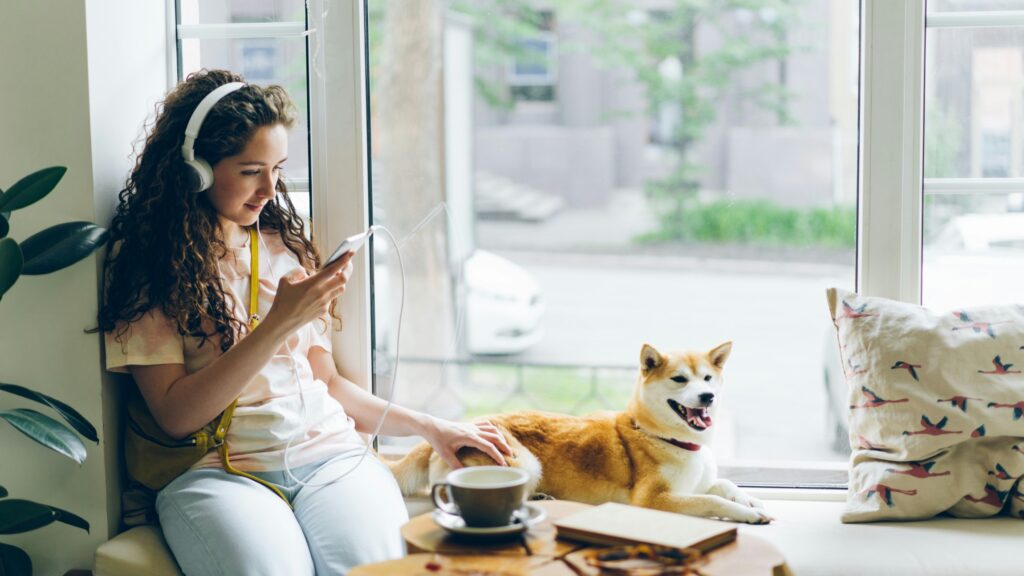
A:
(260, 171)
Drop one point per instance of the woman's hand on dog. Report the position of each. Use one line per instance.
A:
(447, 437)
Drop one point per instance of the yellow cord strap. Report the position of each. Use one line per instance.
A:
(225, 418)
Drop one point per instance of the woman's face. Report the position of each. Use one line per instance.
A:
(244, 183)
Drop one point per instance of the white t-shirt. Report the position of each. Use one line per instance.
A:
(270, 409)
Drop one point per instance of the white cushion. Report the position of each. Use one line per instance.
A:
(815, 542)
(140, 550)
(935, 408)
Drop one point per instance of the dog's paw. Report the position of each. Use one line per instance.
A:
(751, 515)
(749, 501)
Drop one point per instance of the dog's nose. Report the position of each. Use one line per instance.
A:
(707, 398)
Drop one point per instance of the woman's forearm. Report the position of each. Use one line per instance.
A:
(366, 410)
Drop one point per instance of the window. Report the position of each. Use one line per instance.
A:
(974, 153)
(568, 239)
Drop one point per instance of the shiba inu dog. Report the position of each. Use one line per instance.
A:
(653, 454)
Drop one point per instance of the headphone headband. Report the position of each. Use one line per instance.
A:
(204, 107)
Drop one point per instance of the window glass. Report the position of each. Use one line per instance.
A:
(690, 179)
(974, 107)
(241, 11)
(974, 249)
(974, 5)
(974, 103)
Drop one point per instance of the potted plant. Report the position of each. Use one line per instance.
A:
(47, 251)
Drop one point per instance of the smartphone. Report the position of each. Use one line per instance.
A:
(350, 244)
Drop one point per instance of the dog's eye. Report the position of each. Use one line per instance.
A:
(707, 378)
(679, 379)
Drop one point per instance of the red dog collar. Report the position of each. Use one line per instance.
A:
(680, 444)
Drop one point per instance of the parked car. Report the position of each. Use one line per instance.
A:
(503, 305)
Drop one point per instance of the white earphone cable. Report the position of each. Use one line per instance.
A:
(398, 339)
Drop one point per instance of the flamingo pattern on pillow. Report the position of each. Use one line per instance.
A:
(936, 415)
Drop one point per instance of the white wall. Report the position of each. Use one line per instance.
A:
(77, 81)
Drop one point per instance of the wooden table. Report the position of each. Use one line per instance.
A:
(538, 552)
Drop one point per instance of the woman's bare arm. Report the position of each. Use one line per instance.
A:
(183, 403)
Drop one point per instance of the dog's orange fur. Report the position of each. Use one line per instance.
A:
(615, 456)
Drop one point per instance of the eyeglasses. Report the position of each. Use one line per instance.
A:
(644, 560)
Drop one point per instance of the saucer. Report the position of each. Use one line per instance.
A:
(527, 516)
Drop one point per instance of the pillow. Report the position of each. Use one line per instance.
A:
(936, 408)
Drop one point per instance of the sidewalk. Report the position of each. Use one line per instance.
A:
(614, 231)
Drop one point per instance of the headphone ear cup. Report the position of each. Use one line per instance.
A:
(200, 175)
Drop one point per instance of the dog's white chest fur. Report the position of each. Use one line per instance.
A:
(692, 473)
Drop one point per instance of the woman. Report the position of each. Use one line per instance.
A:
(176, 316)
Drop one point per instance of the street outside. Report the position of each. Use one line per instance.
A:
(603, 305)
(600, 310)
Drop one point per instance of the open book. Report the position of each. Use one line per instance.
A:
(613, 524)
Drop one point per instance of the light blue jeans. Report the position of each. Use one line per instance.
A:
(221, 524)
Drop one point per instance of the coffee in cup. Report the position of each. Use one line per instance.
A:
(484, 496)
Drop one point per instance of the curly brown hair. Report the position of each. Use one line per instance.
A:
(164, 240)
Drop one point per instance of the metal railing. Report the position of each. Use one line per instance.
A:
(584, 382)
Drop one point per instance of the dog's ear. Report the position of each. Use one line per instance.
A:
(719, 354)
(650, 359)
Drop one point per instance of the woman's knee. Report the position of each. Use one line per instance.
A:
(222, 526)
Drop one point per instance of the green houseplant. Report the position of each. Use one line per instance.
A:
(47, 251)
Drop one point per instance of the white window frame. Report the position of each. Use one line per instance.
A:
(889, 240)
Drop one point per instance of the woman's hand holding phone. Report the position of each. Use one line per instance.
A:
(302, 298)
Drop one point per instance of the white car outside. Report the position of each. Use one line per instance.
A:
(504, 306)
(503, 303)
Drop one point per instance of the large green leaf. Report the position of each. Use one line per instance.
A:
(70, 519)
(77, 421)
(11, 263)
(5, 226)
(14, 561)
(17, 516)
(46, 431)
(32, 188)
(60, 246)
(3, 492)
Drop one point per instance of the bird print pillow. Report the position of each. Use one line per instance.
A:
(936, 413)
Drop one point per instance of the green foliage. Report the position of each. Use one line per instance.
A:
(31, 188)
(494, 388)
(14, 561)
(17, 516)
(47, 251)
(11, 263)
(760, 222)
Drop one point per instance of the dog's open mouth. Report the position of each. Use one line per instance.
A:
(697, 418)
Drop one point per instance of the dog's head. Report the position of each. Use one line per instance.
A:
(677, 393)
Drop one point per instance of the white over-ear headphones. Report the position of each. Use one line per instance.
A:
(200, 168)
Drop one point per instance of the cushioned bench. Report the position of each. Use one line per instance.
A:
(808, 533)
